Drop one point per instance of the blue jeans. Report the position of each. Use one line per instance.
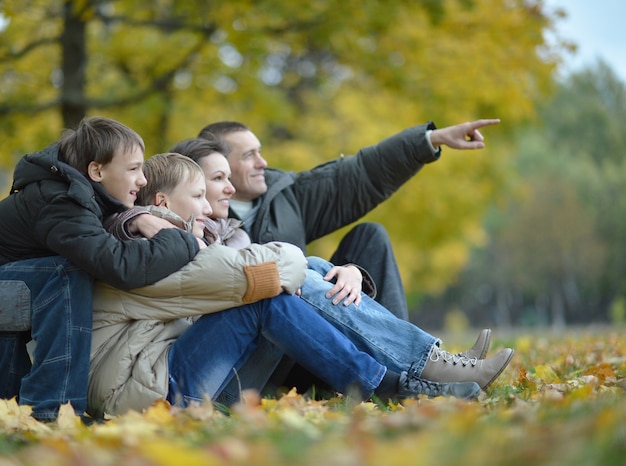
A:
(203, 360)
(393, 342)
(61, 323)
(368, 246)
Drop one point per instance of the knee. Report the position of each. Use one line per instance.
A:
(318, 264)
(76, 274)
(375, 232)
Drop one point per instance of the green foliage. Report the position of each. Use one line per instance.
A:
(312, 79)
(557, 245)
(617, 311)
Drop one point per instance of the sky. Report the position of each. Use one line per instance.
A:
(597, 27)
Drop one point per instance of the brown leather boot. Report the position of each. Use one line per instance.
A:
(481, 347)
(445, 367)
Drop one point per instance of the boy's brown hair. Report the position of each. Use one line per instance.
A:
(97, 139)
(164, 172)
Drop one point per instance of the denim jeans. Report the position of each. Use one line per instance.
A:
(393, 342)
(368, 246)
(61, 323)
(204, 359)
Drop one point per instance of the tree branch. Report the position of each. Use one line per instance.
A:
(33, 109)
(165, 25)
(160, 83)
(13, 55)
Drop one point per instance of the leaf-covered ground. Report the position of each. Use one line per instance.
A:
(561, 401)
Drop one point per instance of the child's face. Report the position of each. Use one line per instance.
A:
(187, 200)
(219, 189)
(123, 177)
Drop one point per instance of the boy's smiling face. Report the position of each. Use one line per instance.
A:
(123, 177)
(187, 200)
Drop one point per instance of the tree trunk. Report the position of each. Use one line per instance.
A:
(74, 66)
(558, 310)
(503, 306)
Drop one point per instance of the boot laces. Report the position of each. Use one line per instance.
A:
(416, 384)
(437, 353)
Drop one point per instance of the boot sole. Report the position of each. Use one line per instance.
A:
(506, 363)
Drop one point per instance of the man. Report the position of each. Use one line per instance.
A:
(301, 207)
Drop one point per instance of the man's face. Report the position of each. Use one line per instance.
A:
(247, 165)
(123, 177)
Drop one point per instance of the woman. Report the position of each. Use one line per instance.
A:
(169, 341)
(394, 342)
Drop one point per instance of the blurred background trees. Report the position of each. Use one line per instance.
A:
(555, 252)
(526, 230)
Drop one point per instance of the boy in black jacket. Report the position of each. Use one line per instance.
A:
(53, 244)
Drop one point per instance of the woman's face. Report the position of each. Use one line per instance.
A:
(219, 189)
(187, 200)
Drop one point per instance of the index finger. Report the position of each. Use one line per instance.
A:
(484, 122)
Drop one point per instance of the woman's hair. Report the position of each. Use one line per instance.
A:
(97, 139)
(197, 148)
(164, 172)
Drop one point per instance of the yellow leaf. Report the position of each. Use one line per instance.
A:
(67, 418)
(524, 344)
(603, 372)
(159, 412)
(18, 417)
(172, 454)
(582, 392)
(546, 374)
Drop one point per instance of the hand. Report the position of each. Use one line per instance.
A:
(148, 225)
(463, 136)
(347, 286)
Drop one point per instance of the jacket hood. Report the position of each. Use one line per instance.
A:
(35, 167)
(277, 180)
(46, 166)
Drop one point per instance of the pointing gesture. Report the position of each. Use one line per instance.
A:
(463, 136)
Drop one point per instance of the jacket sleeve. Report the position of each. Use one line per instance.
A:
(72, 231)
(218, 278)
(117, 224)
(342, 191)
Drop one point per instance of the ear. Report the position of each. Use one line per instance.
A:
(160, 199)
(94, 171)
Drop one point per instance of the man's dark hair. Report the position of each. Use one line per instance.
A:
(220, 129)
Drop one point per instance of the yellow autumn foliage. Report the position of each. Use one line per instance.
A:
(312, 79)
(562, 400)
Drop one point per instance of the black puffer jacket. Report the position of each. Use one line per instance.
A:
(301, 207)
(54, 210)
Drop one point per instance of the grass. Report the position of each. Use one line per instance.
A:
(562, 400)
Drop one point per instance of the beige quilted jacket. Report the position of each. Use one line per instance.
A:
(133, 330)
